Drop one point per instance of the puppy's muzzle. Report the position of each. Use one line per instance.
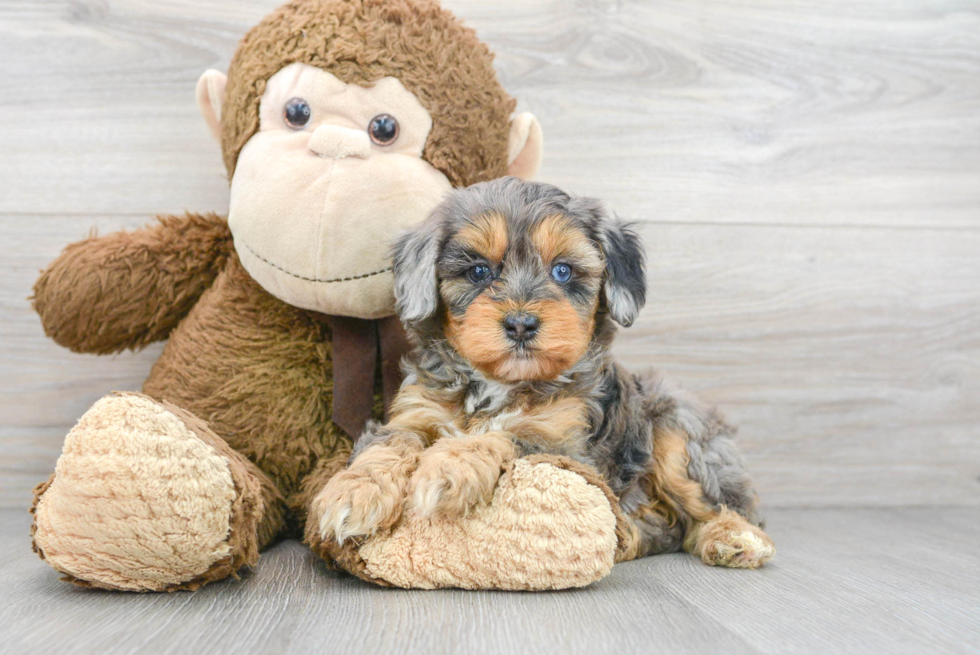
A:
(521, 327)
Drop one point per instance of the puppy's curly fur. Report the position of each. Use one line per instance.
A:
(510, 291)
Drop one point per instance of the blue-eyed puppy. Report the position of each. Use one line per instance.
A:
(510, 291)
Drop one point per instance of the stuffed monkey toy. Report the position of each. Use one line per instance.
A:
(341, 123)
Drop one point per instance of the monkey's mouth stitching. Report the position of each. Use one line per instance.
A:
(349, 278)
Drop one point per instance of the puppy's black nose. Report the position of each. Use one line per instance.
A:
(521, 327)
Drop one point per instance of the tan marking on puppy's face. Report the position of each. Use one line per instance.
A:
(557, 241)
(486, 236)
(561, 341)
(523, 282)
(477, 334)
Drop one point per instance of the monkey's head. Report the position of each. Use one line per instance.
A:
(344, 122)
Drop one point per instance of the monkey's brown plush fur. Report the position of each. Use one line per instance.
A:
(365, 41)
(233, 435)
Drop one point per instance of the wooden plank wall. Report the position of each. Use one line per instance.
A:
(806, 176)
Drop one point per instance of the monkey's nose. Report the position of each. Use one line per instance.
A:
(521, 327)
(338, 142)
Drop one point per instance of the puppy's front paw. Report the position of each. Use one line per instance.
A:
(360, 501)
(459, 473)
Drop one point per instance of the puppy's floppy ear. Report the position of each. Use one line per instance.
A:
(416, 284)
(625, 287)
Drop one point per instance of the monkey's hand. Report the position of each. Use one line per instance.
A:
(129, 289)
(367, 496)
(456, 474)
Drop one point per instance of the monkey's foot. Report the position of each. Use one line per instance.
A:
(729, 540)
(457, 474)
(551, 524)
(139, 501)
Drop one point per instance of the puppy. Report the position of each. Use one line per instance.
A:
(509, 291)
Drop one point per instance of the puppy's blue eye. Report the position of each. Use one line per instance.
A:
(561, 272)
(479, 273)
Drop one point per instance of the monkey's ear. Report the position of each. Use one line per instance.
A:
(525, 146)
(416, 285)
(210, 92)
(625, 287)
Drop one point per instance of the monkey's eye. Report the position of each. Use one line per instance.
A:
(296, 113)
(383, 129)
(478, 274)
(561, 273)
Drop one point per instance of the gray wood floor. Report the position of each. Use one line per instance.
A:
(806, 177)
(845, 581)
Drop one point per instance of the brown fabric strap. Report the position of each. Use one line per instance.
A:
(357, 344)
(394, 345)
(355, 356)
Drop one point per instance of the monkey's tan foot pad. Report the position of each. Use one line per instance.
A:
(138, 500)
(552, 524)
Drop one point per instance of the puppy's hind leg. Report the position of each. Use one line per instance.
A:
(654, 528)
(714, 532)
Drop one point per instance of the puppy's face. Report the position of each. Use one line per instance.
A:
(513, 274)
(520, 296)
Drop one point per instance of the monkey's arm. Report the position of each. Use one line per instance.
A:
(129, 289)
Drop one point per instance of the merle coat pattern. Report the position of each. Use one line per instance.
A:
(510, 292)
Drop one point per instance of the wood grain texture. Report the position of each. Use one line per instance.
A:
(844, 581)
(807, 176)
(795, 112)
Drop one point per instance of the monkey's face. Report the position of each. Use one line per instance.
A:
(334, 172)
(520, 271)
